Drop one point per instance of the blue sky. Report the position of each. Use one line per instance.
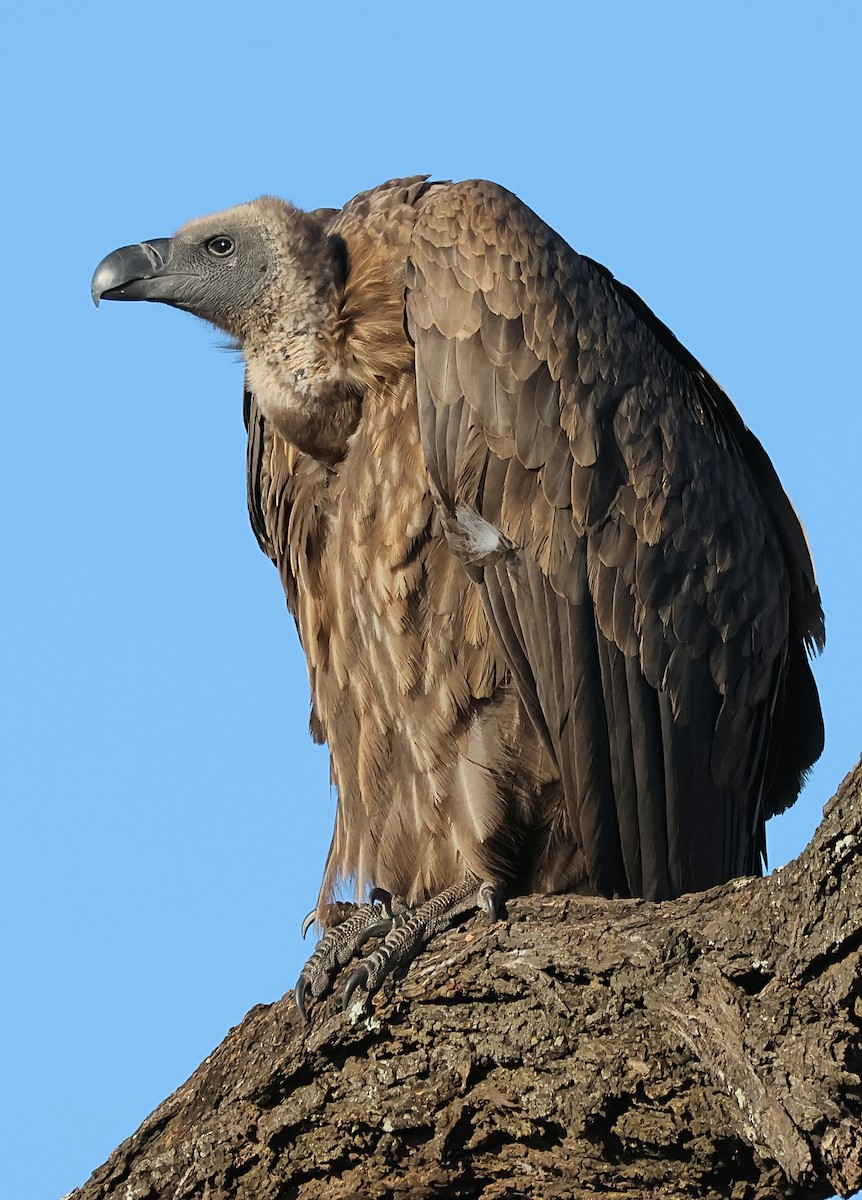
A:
(166, 816)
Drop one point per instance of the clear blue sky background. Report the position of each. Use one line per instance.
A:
(165, 815)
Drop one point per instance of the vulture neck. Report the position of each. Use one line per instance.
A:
(310, 374)
(316, 415)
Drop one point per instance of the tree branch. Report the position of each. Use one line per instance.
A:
(709, 1046)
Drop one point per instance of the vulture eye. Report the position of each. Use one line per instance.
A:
(221, 246)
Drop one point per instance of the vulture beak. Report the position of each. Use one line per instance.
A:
(136, 273)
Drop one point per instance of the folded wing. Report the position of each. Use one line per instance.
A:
(640, 564)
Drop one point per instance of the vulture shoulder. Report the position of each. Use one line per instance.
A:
(639, 562)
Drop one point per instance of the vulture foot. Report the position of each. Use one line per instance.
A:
(410, 931)
(405, 932)
(348, 928)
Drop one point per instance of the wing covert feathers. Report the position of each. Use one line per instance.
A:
(659, 573)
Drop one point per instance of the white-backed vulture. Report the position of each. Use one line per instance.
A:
(554, 601)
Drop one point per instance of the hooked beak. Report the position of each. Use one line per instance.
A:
(138, 272)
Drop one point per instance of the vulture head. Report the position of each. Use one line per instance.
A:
(273, 278)
(235, 269)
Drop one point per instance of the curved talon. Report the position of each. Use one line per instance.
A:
(300, 992)
(378, 929)
(355, 979)
(383, 898)
(490, 898)
(308, 922)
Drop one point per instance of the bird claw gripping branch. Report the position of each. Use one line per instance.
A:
(404, 932)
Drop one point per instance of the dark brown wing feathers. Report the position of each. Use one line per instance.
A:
(659, 571)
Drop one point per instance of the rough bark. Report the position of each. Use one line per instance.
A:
(707, 1047)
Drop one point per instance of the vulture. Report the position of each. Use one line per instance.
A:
(555, 603)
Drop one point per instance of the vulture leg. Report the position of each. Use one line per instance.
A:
(406, 937)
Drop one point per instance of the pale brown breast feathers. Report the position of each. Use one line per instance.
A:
(426, 731)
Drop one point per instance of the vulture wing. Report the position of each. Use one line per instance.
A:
(286, 493)
(258, 470)
(642, 568)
